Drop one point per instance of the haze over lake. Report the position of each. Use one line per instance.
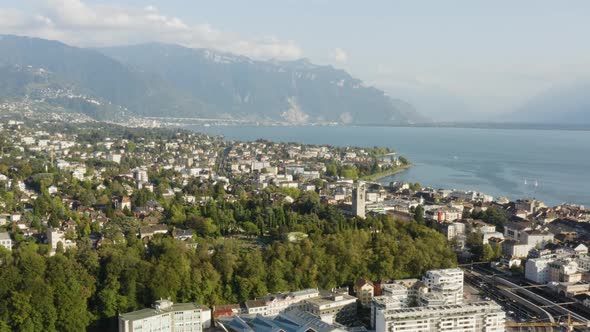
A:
(550, 165)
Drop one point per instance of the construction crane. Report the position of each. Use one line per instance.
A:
(569, 324)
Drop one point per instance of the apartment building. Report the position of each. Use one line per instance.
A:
(448, 282)
(165, 316)
(472, 317)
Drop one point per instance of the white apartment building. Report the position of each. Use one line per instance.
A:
(537, 269)
(166, 316)
(449, 282)
(141, 175)
(272, 305)
(387, 302)
(473, 317)
(536, 239)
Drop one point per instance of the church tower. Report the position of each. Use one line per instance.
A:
(358, 199)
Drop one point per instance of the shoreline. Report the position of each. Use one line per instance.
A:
(381, 175)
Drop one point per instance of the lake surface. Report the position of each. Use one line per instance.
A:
(499, 162)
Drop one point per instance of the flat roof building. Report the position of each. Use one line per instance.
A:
(165, 316)
(473, 317)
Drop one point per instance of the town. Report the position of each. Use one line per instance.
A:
(269, 236)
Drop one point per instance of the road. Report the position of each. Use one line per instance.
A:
(525, 304)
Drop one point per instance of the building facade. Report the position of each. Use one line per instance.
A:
(165, 316)
(6, 241)
(448, 282)
(473, 317)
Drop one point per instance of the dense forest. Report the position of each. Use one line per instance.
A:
(89, 287)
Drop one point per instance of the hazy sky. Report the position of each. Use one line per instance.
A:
(457, 58)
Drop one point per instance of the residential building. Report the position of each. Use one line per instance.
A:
(449, 282)
(6, 241)
(514, 230)
(386, 302)
(116, 158)
(364, 291)
(444, 214)
(537, 270)
(55, 236)
(272, 305)
(512, 248)
(564, 270)
(472, 317)
(453, 230)
(333, 308)
(536, 238)
(165, 316)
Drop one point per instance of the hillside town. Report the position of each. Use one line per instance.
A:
(66, 188)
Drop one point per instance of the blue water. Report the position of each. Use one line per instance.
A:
(493, 161)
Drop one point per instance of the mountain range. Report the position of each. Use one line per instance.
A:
(567, 103)
(162, 80)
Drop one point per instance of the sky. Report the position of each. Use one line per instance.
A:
(453, 59)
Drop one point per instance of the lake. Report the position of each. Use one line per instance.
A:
(550, 165)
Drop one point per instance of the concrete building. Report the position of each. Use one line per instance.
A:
(449, 282)
(444, 214)
(453, 230)
(272, 305)
(55, 236)
(6, 241)
(116, 158)
(536, 238)
(140, 175)
(165, 316)
(387, 302)
(537, 270)
(358, 199)
(528, 205)
(564, 270)
(333, 308)
(472, 317)
(512, 248)
(514, 230)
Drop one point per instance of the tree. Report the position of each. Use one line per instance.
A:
(349, 172)
(419, 214)
(250, 228)
(205, 227)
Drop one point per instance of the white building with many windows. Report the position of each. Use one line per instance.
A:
(166, 316)
(472, 317)
(448, 282)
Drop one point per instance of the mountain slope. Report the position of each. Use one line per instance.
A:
(564, 104)
(53, 72)
(173, 81)
(294, 91)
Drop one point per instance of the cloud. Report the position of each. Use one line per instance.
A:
(339, 55)
(79, 23)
